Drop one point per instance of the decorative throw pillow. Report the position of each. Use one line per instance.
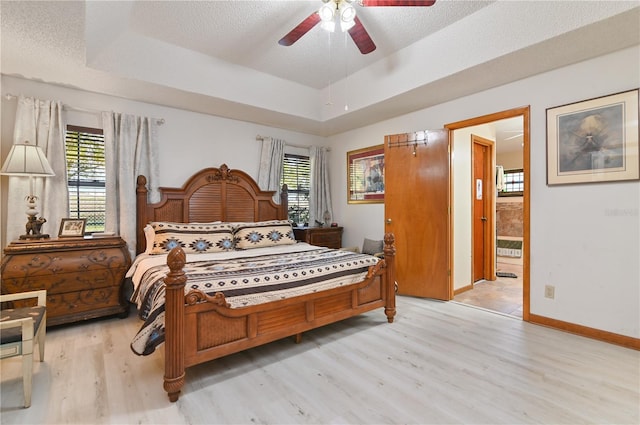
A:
(372, 247)
(194, 238)
(263, 233)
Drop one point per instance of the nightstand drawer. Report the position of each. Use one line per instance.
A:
(330, 237)
(330, 240)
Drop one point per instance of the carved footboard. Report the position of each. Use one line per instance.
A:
(199, 328)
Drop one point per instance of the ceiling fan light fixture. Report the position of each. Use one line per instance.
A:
(333, 11)
(346, 26)
(327, 11)
(347, 12)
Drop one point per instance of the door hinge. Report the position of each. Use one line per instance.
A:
(449, 272)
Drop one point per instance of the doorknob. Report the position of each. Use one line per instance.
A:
(388, 221)
(483, 218)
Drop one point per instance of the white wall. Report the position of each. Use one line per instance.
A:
(584, 238)
(510, 160)
(188, 141)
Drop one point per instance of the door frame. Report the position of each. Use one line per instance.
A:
(489, 189)
(524, 112)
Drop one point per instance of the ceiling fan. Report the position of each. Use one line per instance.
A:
(341, 12)
(519, 133)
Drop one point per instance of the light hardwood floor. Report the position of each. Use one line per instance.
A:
(438, 363)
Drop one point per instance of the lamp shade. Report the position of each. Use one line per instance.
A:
(26, 159)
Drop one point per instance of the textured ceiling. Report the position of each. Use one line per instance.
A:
(246, 33)
(222, 57)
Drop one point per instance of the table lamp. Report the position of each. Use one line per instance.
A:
(27, 159)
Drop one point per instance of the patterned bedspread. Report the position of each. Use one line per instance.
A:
(246, 281)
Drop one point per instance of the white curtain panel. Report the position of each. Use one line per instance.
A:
(270, 171)
(130, 151)
(500, 183)
(40, 122)
(320, 193)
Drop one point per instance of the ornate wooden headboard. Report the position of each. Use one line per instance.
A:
(209, 195)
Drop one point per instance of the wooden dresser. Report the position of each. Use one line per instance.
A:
(83, 276)
(331, 237)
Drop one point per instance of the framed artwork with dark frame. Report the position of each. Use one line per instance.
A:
(594, 140)
(365, 175)
(72, 228)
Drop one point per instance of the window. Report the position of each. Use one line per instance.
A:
(513, 183)
(296, 174)
(86, 176)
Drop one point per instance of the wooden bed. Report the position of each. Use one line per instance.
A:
(198, 327)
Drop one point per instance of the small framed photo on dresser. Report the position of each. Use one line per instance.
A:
(72, 228)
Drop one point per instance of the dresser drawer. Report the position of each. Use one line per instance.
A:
(52, 263)
(59, 283)
(81, 301)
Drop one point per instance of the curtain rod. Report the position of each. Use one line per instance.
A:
(260, 138)
(10, 96)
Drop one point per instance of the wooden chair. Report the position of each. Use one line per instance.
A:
(19, 328)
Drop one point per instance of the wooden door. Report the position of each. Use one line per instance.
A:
(479, 217)
(417, 211)
(483, 228)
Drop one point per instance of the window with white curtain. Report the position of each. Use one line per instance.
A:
(296, 174)
(86, 176)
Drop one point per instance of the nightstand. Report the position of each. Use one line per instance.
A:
(83, 276)
(330, 237)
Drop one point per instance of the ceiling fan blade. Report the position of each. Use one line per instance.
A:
(361, 37)
(371, 3)
(302, 28)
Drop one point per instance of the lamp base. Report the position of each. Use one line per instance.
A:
(33, 228)
(40, 236)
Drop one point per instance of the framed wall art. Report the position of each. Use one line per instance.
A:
(72, 228)
(594, 140)
(365, 175)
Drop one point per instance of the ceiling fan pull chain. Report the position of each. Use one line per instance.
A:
(329, 67)
(346, 75)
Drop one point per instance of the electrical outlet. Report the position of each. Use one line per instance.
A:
(549, 291)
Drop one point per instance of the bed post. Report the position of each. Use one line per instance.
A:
(390, 276)
(174, 324)
(141, 209)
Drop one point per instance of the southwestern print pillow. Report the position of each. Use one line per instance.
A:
(194, 238)
(263, 233)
